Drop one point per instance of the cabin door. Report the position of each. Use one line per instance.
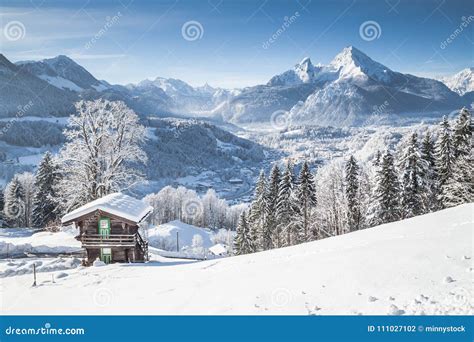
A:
(104, 227)
(106, 255)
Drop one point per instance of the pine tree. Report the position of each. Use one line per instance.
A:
(413, 186)
(430, 173)
(243, 243)
(15, 203)
(462, 134)
(305, 202)
(272, 201)
(352, 194)
(45, 200)
(260, 233)
(2, 205)
(386, 194)
(285, 206)
(459, 188)
(377, 158)
(444, 159)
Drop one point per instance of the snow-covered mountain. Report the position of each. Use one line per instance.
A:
(352, 90)
(63, 73)
(418, 266)
(25, 94)
(462, 82)
(187, 100)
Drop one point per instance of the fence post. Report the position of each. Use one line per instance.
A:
(34, 274)
(177, 241)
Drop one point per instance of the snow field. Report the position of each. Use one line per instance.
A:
(397, 268)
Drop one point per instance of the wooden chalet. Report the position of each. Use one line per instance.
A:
(108, 228)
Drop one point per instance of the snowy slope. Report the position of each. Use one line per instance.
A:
(417, 266)
(164, 235)
(462, 82)
(17, 241)
(63, 73)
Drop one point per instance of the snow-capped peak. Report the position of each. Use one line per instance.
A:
(354, 64)
(462, 82)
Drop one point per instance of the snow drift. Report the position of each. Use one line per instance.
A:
(417, 266)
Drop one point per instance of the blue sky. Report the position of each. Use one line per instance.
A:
(127, 41)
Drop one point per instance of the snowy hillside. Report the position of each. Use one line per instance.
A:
(63, 73)
(19, 241)
(25, 94)
(197, 153)
(164, 236)
(418, 266)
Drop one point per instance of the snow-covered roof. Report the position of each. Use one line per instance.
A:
(218, 249)
(116, 204)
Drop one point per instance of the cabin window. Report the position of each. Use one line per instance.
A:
(104, 226)
(106, 255)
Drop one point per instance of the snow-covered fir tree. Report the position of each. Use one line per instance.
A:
(2, 205)
(103, 142)
(272, 202)
(377, 158)
(243, 243)
(386, 199)
(430, 173)
(444, 158)
(413, 185)
(260, 233)
(15, 203)
(459, 187)
(285, 207)
(45, 201)
(305, 202)
(462, 134)
(352, 183)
